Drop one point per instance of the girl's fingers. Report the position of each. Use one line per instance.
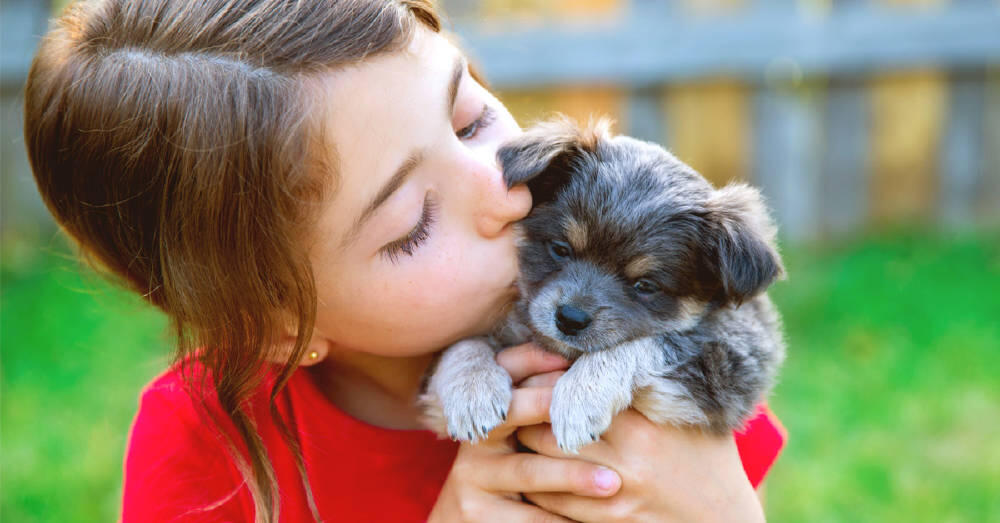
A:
(540, 439)
(576, 508)
(547, 379)
(536, 473)
(629, 426)
(510, 511)
(528, 406)
(527, 359)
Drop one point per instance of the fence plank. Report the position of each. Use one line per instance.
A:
(648, 48)
(786, 136)
(845, 170)
(709, 128)
(492, 10)
(961, 150)
(908, 111)
(594, 8)
(709, 7)
(24, 22)
(988, 197)
(23, 216)
(578, 102)
(646, 115)
(521, 10)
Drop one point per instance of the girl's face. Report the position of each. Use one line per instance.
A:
(415, 248)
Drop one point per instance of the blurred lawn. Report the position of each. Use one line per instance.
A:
(891, 392)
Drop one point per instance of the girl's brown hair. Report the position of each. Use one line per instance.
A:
(172, 140)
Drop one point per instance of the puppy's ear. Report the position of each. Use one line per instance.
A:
(743, 240)
(544, 156)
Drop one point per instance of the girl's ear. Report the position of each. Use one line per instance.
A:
(316, 351)
(743, 239)
(544, 156)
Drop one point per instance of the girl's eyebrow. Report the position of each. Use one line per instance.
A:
(457, 72)
(412, 160)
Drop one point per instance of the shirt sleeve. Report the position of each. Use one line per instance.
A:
(176, 467)
(759, 443)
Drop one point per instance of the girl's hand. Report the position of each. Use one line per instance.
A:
(667, 473)
(486, 477)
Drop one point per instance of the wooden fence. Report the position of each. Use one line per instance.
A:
(847, 113)
(22, 215)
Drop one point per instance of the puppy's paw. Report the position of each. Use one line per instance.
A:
(580, 413)
(476, 403)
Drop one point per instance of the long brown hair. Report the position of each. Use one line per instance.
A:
(173, 141)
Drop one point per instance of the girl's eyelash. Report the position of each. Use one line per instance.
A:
(486, 117)
(417, 235)
(421, 231)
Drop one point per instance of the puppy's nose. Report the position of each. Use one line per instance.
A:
(571, 320)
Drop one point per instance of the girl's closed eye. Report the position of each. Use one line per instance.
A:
(420, 232)
(486, 117)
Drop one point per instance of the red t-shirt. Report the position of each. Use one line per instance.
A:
(178, 469)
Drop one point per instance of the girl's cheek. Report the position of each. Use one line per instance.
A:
(453, 276)
(426, 280)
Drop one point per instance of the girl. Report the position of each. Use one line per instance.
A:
(309, 191)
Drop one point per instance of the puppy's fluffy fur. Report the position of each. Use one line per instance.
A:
(636, 269)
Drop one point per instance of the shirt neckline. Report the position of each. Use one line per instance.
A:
(401, 440)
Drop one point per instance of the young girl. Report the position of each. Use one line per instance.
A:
(309, 190)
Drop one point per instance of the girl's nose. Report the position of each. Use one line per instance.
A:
(502, 206)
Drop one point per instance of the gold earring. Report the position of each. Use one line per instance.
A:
(314, 355)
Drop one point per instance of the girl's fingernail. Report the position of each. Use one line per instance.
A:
(606, 479)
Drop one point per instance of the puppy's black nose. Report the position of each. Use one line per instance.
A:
(571, 320)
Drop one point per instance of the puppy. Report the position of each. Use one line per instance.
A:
(638, 271)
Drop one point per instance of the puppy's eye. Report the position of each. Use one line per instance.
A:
(645, 287)
(559, 250)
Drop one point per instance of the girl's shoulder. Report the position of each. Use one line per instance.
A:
(760, 442)
(175, 458)
(176, 464)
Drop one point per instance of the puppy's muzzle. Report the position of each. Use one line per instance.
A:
(571, 320)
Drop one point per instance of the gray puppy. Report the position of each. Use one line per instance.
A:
(638, 271)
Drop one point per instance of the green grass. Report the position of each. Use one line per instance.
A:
(76, 352)
(891, 392)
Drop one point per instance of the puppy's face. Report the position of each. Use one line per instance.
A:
(625, 241)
